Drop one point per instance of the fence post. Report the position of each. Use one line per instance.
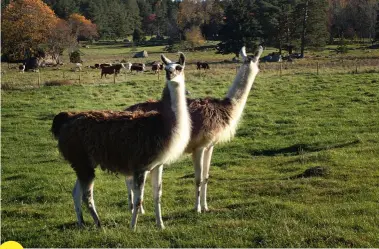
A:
(114, 76)
(356, 66)
(79, 76)
(158, 74)
(39, 78)
(317, 67)
(281, 69)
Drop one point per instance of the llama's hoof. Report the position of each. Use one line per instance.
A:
(81, 225)
(205, 209)
(141, 210)
(161, 226)
(197, 210)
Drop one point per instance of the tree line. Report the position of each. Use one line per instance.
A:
(289, 25)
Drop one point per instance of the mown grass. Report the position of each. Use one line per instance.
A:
(291, 123)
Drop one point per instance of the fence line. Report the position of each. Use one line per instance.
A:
(281, 69)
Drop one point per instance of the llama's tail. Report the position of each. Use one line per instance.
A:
(59, 120)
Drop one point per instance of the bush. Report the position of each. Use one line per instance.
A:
(75, 57)
(58, 83)
(342, 48)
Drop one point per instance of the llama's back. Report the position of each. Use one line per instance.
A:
(210, 117)
(60, 120)
(150, 105)
(120, 142)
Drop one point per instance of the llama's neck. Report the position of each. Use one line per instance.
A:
(242, 84)
(238, 94)
(240, 89)
(175, 106)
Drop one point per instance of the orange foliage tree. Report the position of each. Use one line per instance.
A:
(25, 25)
(59, 39)
(81, 27)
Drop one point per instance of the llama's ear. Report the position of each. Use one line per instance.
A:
(258, 54)
(182, 59)
(165, 59)
(243, 54)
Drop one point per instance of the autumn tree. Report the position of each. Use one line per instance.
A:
(25, 25)
(194, 37)
(81, 27)
(59, 39)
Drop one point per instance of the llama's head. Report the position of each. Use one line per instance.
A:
(174, 70)
(252, 61)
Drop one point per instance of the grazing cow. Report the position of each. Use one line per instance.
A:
(104, 65)
(138, 67)
(115, 69)
(22, 68)
(203, 65)
(127, 66)
(77, 67)
(156, 67)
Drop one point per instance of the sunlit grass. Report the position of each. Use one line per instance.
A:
(291, 123)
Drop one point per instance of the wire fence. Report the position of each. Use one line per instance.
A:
(13, 79)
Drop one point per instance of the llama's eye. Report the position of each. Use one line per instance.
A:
(179, 68)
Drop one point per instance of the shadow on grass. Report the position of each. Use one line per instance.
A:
(318, 171)
(297, 149)
(68, 225)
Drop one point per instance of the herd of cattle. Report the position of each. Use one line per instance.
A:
(109, 68)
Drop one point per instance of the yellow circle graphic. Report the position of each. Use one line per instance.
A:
(11, 245)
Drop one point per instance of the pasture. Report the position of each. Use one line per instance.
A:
(258, 194)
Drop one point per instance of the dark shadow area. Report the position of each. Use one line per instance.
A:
(297, 149)
(318, 171)
(71, 225)
(15, 177)
(192, 175)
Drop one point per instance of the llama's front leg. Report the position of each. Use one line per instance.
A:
(129, 187)
(139, 179)
(87, 188)
(198, 159)
(77, 196)
(156, 182)
(206, 165)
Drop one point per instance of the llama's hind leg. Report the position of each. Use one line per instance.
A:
(198, 159)
(206, 165)
(156, 180)
(129, 187)
(77, 196)
(87, 188)
(139, 179)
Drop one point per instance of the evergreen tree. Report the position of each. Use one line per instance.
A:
(312, 23)
(240, 27)
(213, 18)
(172, 28)
(317, 30)
(64, 8)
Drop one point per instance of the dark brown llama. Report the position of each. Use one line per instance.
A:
(214, 121)
(130, 143)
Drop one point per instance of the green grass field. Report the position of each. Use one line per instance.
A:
(257, 197)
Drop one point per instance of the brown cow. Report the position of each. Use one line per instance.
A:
(202, 65)
(156, 67)
(115, 69)
(139, 67)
